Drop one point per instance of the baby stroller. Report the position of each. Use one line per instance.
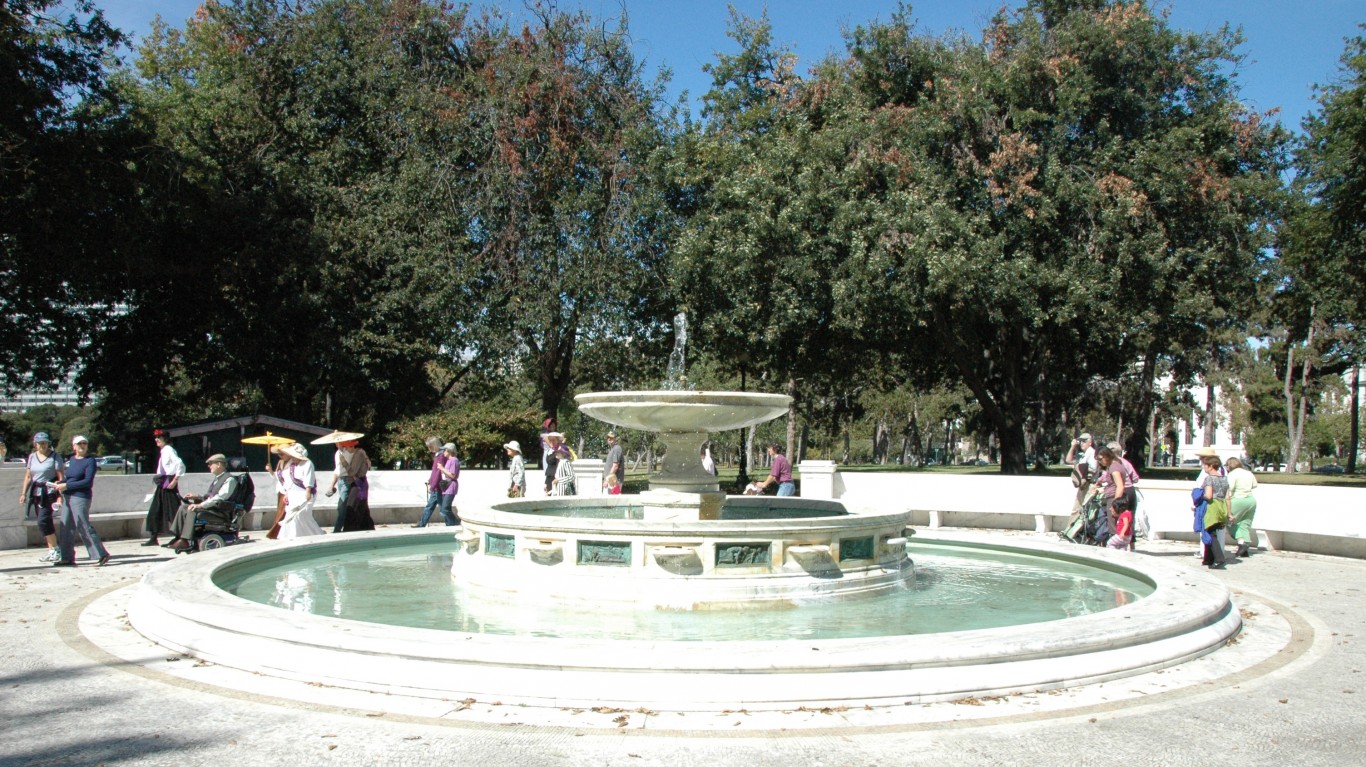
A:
(215, 529)
(1092, 525)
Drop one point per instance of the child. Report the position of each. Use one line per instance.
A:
(613, 486)
(1124, 524)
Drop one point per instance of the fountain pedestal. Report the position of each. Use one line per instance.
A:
(681, 468)
(672, 506)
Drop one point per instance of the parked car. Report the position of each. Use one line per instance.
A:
(111, 462)
(1331, 469)
(12, 459)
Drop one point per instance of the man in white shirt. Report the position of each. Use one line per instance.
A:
(1083, 469)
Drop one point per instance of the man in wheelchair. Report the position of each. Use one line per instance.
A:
(215, 507)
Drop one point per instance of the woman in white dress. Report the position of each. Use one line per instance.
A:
(300, 485)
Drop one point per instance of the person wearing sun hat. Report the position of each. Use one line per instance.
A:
(300, 484)
(42, 469)
(166, 496)
(77, 487)
(516, 470)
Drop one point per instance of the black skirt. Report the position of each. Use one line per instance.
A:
(357, 513)
(162, 510)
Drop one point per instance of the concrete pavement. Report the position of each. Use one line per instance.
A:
(80, 688)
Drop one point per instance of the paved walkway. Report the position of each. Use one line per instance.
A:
(71, 697)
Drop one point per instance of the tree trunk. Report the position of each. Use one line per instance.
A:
(1294, 428)
(1356, 420)
(1210, 411)
(791, 416)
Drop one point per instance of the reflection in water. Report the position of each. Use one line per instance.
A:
(410, 585)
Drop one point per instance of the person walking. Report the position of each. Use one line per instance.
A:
(1214, 492)
(166, 496)
(301, 488)
(433, 481)
(282, 462)
(445, 482)
(77, 487)
(516, 470)
(339, 486)
(1242, 506)
(565, 482)
(356, 486)
(42, 469)
(550, 458)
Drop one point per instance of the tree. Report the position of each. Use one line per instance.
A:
(1327, 241)
(565, 222)
(1078, 194)
(772, 218)
(64, 186)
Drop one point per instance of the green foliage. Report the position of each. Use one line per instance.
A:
(478, 430)
(64, 187)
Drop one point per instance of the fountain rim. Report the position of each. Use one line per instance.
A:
(180, 604)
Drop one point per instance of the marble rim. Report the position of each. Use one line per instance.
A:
(1189, 614)
(724, 410)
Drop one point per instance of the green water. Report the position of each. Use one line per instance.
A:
(407, 582)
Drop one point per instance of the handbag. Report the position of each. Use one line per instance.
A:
(1216, 513)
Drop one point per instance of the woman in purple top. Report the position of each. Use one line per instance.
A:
(77, 487)
(442, 485)
(780, 472)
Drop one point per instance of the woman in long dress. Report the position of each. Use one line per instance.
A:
(301, 487)
(357, 488)
(166, 496)
(565, 480)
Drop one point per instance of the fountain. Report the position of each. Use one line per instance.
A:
(683, 545)
(581, 602)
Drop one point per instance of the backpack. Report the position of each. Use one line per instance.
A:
(244, 495)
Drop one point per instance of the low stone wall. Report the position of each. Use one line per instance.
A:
(1313, 519)
(119, 502)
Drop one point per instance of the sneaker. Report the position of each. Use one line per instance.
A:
(51, 556)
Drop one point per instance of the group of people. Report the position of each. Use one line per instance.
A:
(1106, 476)
(58, 492)
(296, 491)
(1221, 501)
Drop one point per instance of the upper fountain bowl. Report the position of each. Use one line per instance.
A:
(683, 411)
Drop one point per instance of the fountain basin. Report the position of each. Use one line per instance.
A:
(683, 411)
(180, 606)
(682, 419)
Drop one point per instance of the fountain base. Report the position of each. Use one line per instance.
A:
(682, 551)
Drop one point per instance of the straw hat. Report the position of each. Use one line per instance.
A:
(295, 450)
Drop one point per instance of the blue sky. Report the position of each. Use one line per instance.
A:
(1289, 45)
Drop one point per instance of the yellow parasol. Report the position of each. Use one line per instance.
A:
(337, 436)
(269, 440)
